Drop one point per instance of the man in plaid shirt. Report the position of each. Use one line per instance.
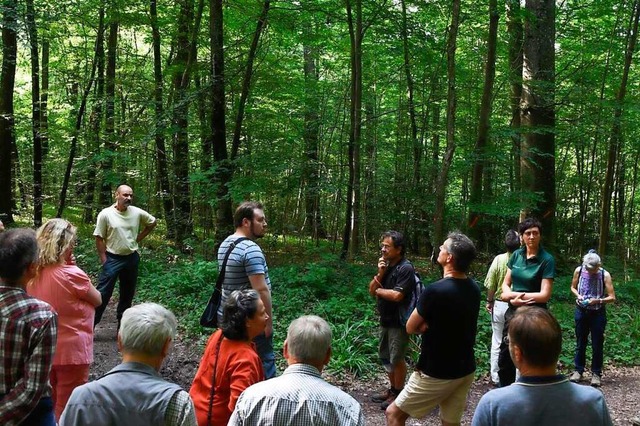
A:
(27, 336)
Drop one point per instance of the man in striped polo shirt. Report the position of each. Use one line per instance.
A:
(247, 268)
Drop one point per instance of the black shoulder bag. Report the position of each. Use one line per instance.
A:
(209, 317)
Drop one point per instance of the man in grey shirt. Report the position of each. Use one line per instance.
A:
(133, 393)
(247, 268)
(300, 397)
(540, 396)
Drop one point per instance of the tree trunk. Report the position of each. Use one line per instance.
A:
(181, 80)
(109, 150)
(222, 175)
(248, 74)
(35, 114)
(480, 151)
(74, 139)
(95, 123)
(615, 139)
(441, 183)
(7, 82)
(161, 151)
(44, 97)
(538, 114)
(515, 36)
(351, 220)
(311, 167)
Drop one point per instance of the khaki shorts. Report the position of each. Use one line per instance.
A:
(393, 346)
(422, 394)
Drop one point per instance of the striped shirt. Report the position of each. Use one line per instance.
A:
(246, 259)
(299, 397)
(28, 341)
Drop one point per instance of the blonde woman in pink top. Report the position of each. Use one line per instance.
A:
(68, 290)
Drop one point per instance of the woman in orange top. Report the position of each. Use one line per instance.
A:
(230, 361)
(68, 290)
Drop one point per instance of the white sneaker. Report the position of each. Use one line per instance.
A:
(575, 377)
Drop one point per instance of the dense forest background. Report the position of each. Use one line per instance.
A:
(345, 118)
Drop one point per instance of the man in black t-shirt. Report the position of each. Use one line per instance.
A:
(447, 317)
(394, 281)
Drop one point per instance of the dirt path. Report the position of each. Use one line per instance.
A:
(621, 386)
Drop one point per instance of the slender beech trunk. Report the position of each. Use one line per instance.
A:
(441, 183)
(95, 122)
(515, 37)
(351, 221)
(7, 83)
(161, 150)
(311, 167)
(218, 141)
(35, 114)
(615, 139)
(74, 139)
(109, 150)
(480, 151)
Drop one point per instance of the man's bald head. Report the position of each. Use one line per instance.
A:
(124, 197)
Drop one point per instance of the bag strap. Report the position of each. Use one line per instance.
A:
(223, 268)
(213, 380)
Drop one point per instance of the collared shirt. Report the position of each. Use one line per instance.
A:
(180, 411)
(299, 397)
(527, 274)
(28, 330)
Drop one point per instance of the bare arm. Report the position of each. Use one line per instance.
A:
(94, 297)
(608, 288)
(101, 246)
(376, 282)
(416, 324)
(507, 294)
(259, 284)
(147, 229)
(389, 294)
(574, 283)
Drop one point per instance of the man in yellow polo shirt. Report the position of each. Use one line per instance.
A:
(119, 229)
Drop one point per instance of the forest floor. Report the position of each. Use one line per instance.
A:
(621, 386)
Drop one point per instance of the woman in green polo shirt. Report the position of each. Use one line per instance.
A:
(529, 281)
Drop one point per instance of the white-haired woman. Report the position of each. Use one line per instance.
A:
(230, 363)
(68, 290)
(593, 288)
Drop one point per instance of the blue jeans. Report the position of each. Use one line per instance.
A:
(264, 346)
(126, 269)
(42, 415)
(594, 322)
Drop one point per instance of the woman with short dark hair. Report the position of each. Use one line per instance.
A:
(230, 363)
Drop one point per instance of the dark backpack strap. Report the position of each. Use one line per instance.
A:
(223, 267)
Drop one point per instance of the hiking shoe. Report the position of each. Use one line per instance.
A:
(382, 397)
(595, 381)
(635, 421)
(575, 377)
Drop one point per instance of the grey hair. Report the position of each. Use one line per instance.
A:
(462, 249)
(239, 306)
(146, 327)
(309, 339)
